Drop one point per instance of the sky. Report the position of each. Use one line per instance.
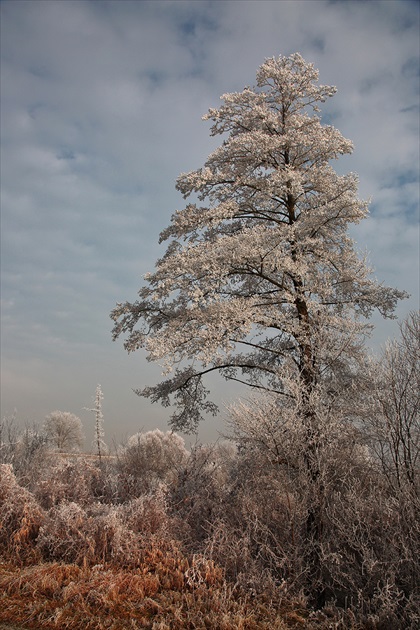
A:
(101, 106)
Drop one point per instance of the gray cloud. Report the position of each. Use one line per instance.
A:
(101, 110)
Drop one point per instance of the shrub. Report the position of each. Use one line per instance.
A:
(20, 518)
(149, 459)
(67, 479)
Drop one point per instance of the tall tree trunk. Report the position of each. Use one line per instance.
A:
(314, 520)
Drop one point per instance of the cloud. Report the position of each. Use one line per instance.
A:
(101, 111)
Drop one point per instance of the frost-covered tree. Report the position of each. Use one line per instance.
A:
(394, 421)
(153, 457)
(260, 281)
(101, 447)
(9, 436)
(64, 430)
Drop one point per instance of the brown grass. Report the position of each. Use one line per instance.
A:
(166, 593)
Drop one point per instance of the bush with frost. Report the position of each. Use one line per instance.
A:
(151, 458)
(367, 542)
(20, 517)
(201, 489)
(68, 479)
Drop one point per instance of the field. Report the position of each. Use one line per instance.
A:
(160, 537)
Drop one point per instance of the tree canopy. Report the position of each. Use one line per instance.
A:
(260, 280)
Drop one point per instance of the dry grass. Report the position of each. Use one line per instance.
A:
(112, 568)
(166, 593)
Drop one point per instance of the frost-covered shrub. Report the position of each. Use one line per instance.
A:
(20, 517)
(393, 419)
(67, 480)
(367, 543)
(146, 514)
(71, 533)
(9, 436)
(98, 533)
(150, 458)
(257, 533)
(29, 455)
(143, 525)
(201, 492)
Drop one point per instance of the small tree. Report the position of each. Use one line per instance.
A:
(394, 424)
(99, 443)
(64, 431)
